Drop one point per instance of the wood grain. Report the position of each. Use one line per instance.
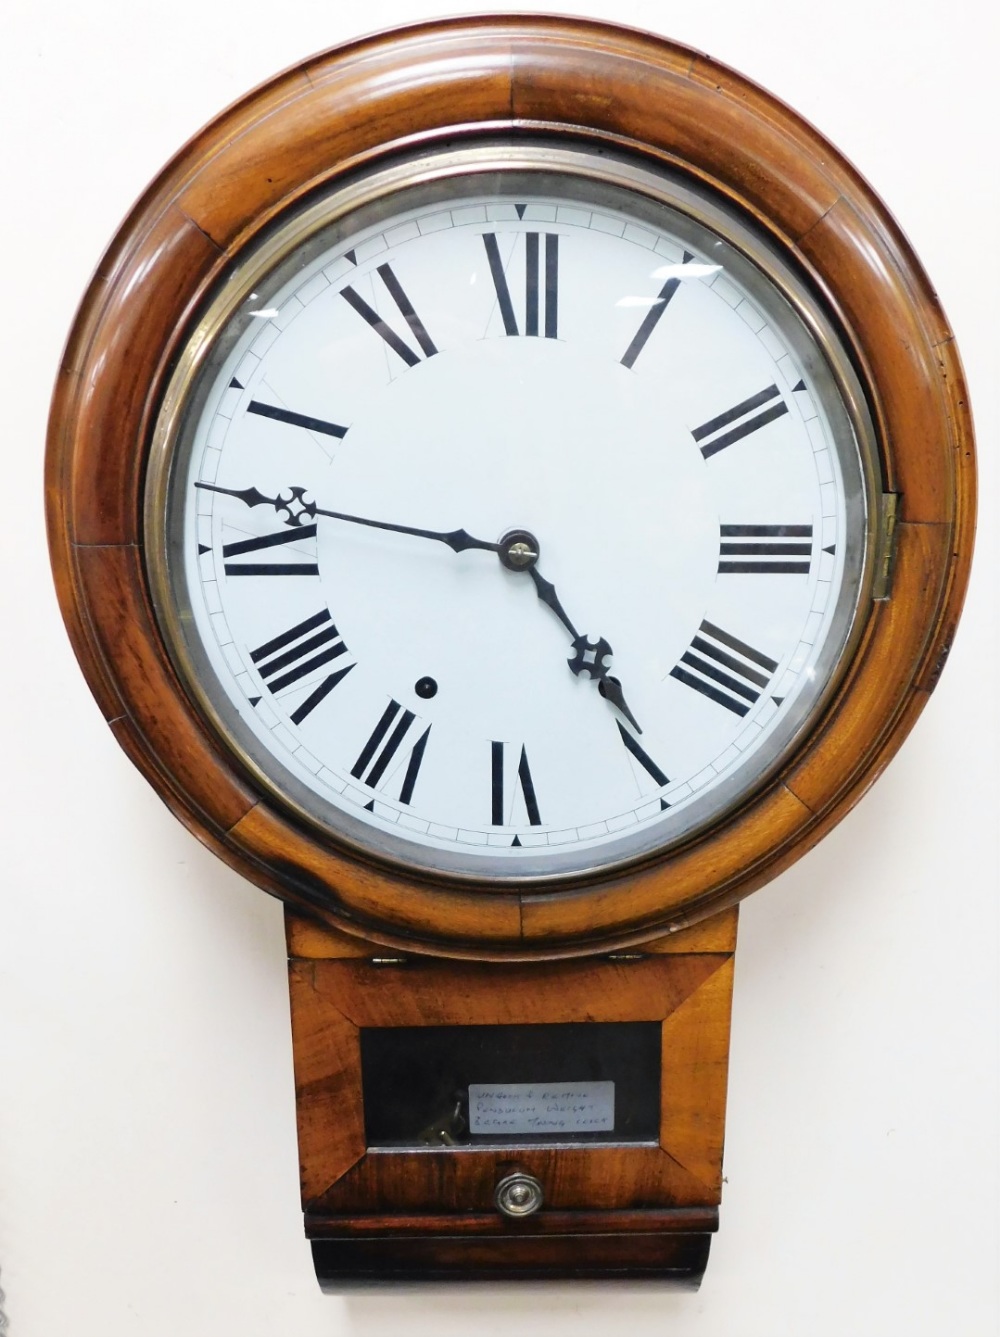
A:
(672, 1259)
(445, 1194)
(456, 1182)
(458, 81)
(695, 1077)
(645, 1209)
(327, 1086)
(327, 994)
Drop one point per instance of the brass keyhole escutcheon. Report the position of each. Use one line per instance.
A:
(518, 1195)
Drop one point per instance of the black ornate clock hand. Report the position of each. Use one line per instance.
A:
(611, 689)
(546, 591)
(296, 507)
(518, 551)
(591, 657)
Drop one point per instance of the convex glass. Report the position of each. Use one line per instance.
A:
(513, 520)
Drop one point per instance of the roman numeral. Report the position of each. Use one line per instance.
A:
(726, 670)
(523, 780)
(379, 752)
(652, 317)
(716, 439)
(642, 757)
(385, 330)
(541, 289)
(265, 541)
(285, 660)
(296, 419)
(783, 550)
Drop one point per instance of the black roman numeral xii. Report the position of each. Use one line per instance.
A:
(541, 284)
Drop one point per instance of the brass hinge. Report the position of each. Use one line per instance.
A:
(885, 546)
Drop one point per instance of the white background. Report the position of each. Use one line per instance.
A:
(147, 1155)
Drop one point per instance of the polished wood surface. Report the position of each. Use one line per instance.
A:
(674, 1259)
(428, 1211)
(355, 108)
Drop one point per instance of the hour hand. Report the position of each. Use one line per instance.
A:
(294, 505)
(611, 689)
(590, 657)
(594, 658)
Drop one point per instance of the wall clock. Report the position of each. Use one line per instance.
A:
(510, 491)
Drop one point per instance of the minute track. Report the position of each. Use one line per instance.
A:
(626, 532)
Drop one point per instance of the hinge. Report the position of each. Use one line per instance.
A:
(885, 546)
(387, 961)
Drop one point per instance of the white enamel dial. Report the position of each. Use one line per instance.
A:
(515, 527)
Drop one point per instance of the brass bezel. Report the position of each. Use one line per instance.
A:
(428, 177)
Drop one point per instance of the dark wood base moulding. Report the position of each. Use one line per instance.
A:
(668, 1246)
(675, 1259)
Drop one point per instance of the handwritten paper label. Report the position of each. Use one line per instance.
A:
(510, 1108)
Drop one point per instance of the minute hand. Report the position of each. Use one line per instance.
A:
(588, 657)
(458, 540)
(296, 507)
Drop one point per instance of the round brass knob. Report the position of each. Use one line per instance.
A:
(518, 1195)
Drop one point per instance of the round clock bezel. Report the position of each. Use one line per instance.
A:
(354, 110)
(445, 173)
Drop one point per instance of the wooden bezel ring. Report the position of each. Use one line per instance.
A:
(356, 107)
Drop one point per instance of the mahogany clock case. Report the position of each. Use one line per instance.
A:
(520, 78)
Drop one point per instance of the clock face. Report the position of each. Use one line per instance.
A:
(513, 521)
